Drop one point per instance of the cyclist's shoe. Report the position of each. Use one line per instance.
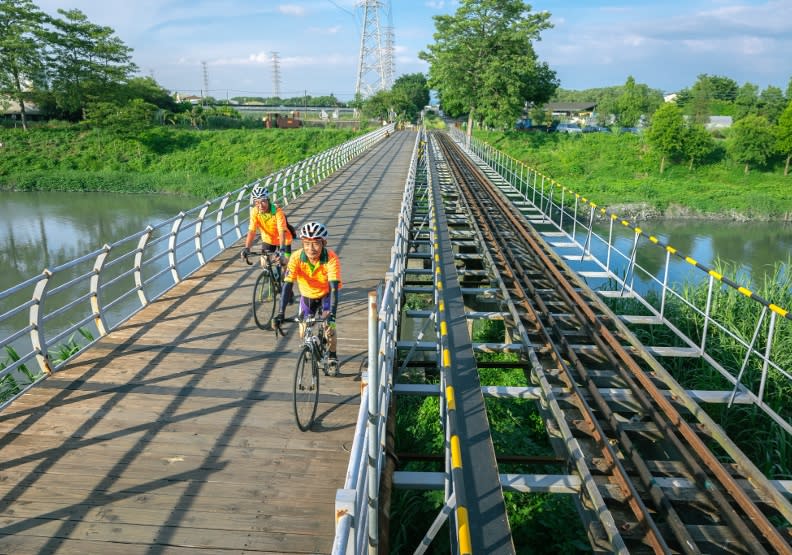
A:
(332, 367)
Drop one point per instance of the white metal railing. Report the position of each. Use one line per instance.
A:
(574, 219)
(357, 502)
(95, 293)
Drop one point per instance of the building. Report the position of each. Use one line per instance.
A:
(571, 110)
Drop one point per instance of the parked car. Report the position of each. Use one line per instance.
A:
(596, 129)
(568, 128)
(633, 130)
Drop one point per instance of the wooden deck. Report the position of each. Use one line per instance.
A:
(175, 434)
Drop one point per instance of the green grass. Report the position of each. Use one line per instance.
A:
(753, 432)
(540, 523)
(614, 170)
(198, 163)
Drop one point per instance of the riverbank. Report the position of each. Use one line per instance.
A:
(620, 172)
(163, 160)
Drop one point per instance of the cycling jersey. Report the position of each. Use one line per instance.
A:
(314, 280)
(270, 223)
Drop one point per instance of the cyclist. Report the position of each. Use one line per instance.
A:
(317, 271)
(269, 219)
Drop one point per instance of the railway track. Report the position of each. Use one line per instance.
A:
(654, 472)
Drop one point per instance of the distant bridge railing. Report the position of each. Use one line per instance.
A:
(63, 310)
(358, 502)
(574, 218)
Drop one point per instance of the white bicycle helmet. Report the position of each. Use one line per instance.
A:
(313, 230)
(259, 193)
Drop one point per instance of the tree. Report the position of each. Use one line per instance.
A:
(699, 106)
(747, 101)
(378, 106)
(666, 134)
(789, 91)
(127, 121)
(483, 62)
(147, 89)
(752, 141)
(784, 135)
(697, 144)
(86, 60)
(410, 93)
(21, 63)
(634, 101)
(722, 88)
(771, 103)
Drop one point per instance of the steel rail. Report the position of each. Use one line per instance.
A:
(621, 358)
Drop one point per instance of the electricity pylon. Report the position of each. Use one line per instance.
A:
(276, 78)
(375, 65)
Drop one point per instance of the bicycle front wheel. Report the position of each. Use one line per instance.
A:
(306, 389)
(265, 297)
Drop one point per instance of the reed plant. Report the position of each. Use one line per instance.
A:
(761, 439)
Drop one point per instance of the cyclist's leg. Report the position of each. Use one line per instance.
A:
(330, 335)
(305, 312)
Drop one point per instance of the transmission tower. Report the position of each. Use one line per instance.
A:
(375, 65)
(205, 82)
(276, 79)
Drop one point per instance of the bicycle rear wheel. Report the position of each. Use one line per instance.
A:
(265, 297)
(306, 389)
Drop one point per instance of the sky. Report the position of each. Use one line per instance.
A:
(593, 43)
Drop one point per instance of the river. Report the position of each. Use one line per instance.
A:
(44, 230)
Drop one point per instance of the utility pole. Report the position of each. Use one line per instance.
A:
(205, 83)
(375, 62)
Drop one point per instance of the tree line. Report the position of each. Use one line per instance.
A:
(74, 70)
(484, 67)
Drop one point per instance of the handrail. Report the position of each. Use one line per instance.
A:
(76, 297)
(538, 189)
(357, 502)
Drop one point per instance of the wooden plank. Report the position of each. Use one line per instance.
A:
(175, 434)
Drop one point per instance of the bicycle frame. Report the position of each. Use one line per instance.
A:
(315, 340)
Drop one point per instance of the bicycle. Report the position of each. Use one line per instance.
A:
(268, 286)
(306, 377)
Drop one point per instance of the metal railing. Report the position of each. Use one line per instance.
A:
(574, 219)
(73, 305)
(357, 503)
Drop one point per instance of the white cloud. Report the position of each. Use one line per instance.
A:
(291, 9)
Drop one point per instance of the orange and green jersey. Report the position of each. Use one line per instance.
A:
(270, 224)
(314, 280)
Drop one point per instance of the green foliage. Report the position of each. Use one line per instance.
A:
(85, 62)
(771, 103)
(129, 120)
(751, 430)
(751, 141)
(409, 94)
(666, 134)
(633, 102)
(10, 384)
(784, 135)
(203, 164)
(697, 144)
(483, 62)
(21, 25)
(747, 101)
(619, 169)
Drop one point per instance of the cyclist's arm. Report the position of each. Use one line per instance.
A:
(251, 237)
(333, 298)
(280, 222)
(286, 293)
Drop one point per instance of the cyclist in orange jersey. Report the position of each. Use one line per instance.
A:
(317, 272)
(269, 219)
